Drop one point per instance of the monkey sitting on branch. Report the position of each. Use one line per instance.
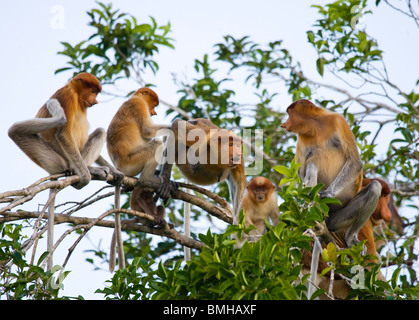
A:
(327, 151)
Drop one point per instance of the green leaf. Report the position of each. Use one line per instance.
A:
(320, 65)
(283, 170)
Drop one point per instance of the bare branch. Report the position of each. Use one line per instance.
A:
(220, 209)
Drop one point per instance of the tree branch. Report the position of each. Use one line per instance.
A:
(221, 209)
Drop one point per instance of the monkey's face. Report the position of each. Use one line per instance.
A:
(87, 87)
(299, 114)
(150, 96)
(234, 152)
(293, 121)
(88, 97)
(225, 149)
(152, 110)
(260, 194)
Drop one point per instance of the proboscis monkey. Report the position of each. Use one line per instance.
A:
(132, 148)
(259, 203)
(144, 201)
(327, 150)
(381, 213)
(205, 155)
(57, 138)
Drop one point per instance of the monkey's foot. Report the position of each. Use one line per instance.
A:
(118, 176)
(100, 173)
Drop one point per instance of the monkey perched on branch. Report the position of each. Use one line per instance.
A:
(259, 203)
(133, 150)
(57, 138)
(327, 150)
(205, 155)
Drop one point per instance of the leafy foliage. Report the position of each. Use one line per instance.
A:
(121, 47)
(25, 280)
(267, 269)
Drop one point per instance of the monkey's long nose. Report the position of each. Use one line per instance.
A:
(236, 159)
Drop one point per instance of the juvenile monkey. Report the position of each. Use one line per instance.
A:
(327, 151)
(259, 203)
(145, 201)
(57, 138)
(132, 148)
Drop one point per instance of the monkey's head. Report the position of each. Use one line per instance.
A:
(87, 87)
(225, 148)
(260, 189)
(300, 113)
(151, 97)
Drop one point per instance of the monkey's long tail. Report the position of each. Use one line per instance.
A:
(313, 269)
(116, 237)
(50, 233)
(187, 226)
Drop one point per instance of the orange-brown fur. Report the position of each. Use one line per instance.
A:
(132, 129)
(57, 144)
(78, 95)
(217, 140)
(316, 126)
(57, 138)
(145, 201)
(132, 149)
(382, 213)
(328, 154)
(259, 203)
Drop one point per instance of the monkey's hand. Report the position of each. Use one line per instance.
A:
(326, 194)
(166, 189)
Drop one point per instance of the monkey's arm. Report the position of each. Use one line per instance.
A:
(310, 178)
(345, 179)
(72, 154)
(353, 165)
(236, 182)
(151, 130)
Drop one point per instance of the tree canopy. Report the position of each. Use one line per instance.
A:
(121, 48)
